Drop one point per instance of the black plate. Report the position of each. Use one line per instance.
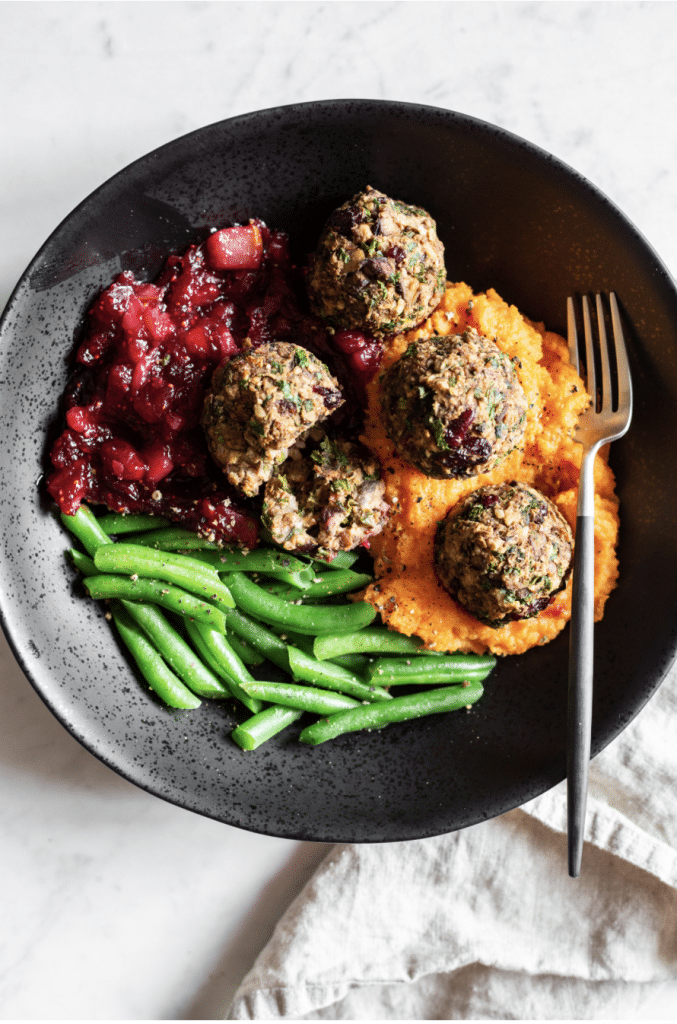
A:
(511, 217)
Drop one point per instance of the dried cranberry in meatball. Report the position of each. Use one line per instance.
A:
(379, 266)
(453, 406)
(329, 502)
(260, 404)
(504, 552)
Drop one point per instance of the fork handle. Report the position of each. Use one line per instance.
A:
(579, 709)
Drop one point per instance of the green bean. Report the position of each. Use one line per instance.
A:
(136, 560)
(254, 600)
(259, 560)
(152, 667)
(248, 654)
(375, 639)
(83, 563)
(174, 538)
(331, 584)
(342, 560)
(175, 651)
(129, 522)
(218, 655)
(174, 599)
(295, 581)
(84, 525)
(303, 698)
(451, 668)
(333, 677)
(300, 640)
(400, 709)
(353, 662)
(263, 639)
(255, 731)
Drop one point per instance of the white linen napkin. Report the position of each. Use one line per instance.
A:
(485, 923)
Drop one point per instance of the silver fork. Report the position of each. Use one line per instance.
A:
(603, 421)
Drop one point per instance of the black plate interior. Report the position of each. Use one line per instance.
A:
(511, 217)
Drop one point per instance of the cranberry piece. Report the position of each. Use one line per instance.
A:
(68, 486)
(478, 448)
(237, 248)
(397, 253)
(367, 360)
(351, 341)
(332, 399)
(278, 248)
(122, 460)
(457, 430)
(487, 500)
(345, 219)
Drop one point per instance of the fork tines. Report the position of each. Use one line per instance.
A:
(607, 380)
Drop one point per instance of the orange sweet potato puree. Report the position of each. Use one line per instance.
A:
(406, 592)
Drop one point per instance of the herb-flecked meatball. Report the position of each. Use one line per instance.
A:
(504, 552)
(379, 266)
(453, 406)
(260, 404)
(328, 502)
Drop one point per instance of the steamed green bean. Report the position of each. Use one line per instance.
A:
(136, 560)
(449, 668)
(174, 599)
(399, 709)
(303, 698)
(263, 726)
(312, 619)
(151, 665)
(176, 652)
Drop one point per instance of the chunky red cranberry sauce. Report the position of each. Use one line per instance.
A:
(133, 440)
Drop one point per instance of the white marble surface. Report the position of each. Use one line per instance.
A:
(116, 905)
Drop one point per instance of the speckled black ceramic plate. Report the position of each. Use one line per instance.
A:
(511, 217)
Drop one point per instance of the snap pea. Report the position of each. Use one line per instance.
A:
(255, 731)
(84, 525)
(374, 639)
(217, 653)
(255, 601)
(175, 651)
(174, 599)
(303, 698)
(136, 560)
(151, 665)
(399, 709)
(129, 522)
(333, 677)
(450, 668)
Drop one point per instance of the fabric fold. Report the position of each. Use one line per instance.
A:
(485, 922)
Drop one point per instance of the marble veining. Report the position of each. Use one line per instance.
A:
(121, 906)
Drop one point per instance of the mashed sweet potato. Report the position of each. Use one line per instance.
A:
(406, 592)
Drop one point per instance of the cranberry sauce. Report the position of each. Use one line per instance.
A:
(132, 439)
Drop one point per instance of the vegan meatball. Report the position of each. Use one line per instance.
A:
(379, 266)
(329, 502)
(453, 406)
(262, 402)
(504, 552)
